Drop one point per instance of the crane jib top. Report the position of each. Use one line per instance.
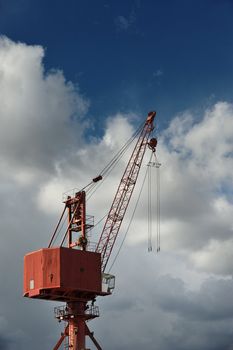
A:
(150, 117)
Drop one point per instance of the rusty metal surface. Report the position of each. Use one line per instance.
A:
(62, 271)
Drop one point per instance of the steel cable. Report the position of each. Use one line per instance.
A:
(115, 160)
(130, 222)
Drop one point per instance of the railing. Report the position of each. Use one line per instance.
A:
(89, 221)
(64, 312)
(70, 193)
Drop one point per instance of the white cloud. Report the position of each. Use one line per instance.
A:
(208, 144)
(158, 73)
(123, 23)
(196, 179)
(37, 110)
(82, 165)
(215, 257)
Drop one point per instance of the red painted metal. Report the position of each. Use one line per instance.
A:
(72, 274)
(77, 325)
(62, 338)
(91, 335)
(77, 220)
(124, 192)
(62, 274)
(69, 274)
(77, 314)
(58, 224)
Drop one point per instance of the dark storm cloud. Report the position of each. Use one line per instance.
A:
(191, 335)
(171, 316)
(4, 343)
(213, 302)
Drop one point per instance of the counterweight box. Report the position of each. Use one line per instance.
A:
(62, 274)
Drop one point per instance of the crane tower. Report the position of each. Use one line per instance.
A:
(75, 274)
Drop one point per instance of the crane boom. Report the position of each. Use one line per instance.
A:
(124, 192)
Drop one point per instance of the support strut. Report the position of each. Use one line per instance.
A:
(91, 335)
(76, 314)
(62, 338)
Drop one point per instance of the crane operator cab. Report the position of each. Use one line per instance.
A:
(108, 283)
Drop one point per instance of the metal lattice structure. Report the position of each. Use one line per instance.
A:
(124, 192)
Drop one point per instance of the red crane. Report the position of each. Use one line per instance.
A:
(75, 274)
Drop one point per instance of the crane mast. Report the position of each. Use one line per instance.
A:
(124, 192)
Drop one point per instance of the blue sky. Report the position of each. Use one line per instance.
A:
(75, 77)
(132, 55)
